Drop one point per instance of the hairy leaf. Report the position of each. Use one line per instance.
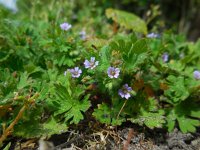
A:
(127, 20)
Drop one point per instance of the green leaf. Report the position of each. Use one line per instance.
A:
(137, 55)
(171, 120)
(127, 20)
(171, 125)
(53, 127)
(187, 124)
(105, 56)
(134, 52)
(65, 81)
(62, 93)
(75, 112)
(106, 115)
(70, 105)
(150, 119)
(5, 55)
(177, 65)
(23, 82)
(139, 47)
(124, 44)
(133, 62)
(7, 146)
(103, 113)
(177, 91)
(146, 112)
(187, 114)
(97, 42)
(32, 128)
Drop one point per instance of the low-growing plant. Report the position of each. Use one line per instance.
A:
(51, 71)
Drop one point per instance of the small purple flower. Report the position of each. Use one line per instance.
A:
(165, 57)
(65, 26)
(91, 64)
(124, 92)
(113, 72)
(196, 74)
(75, 72)
(82, 35)
(153, 35)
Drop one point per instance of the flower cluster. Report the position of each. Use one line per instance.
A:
(112, 72)
(65, 26)
(76, 72)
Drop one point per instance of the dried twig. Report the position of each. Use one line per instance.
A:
(130, 135)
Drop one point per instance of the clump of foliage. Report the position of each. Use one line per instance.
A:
(51, 69)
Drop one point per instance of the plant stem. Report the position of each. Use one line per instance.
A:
(121, 109)
(9, 129)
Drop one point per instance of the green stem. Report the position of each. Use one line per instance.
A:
(121, 109)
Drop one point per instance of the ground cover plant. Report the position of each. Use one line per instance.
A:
(60, 66)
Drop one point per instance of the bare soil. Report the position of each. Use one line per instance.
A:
(126, 137)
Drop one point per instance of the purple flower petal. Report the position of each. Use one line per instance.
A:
(121, 93)
(87, 64)
(65, 26)
(124, 92)
(92, 59)
(91, 64)
(153, 35)
(127, 96)
(196, 74)
(76, 72)
(79, 71)
(82, 35)
(113, 72)
(165, 57)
